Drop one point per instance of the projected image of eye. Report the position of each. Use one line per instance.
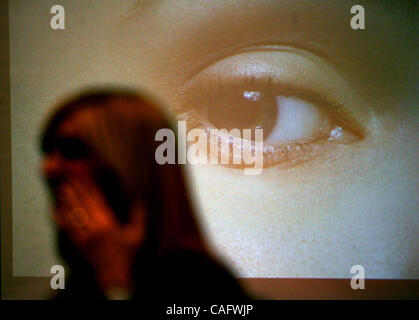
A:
(282, 118)
(296, 122)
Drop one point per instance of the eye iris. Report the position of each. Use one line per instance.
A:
(241, 110)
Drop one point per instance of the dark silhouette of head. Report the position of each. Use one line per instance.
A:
(111, 134)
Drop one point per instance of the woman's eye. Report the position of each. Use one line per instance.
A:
(297, 98)
(296, 123)
(282, 118)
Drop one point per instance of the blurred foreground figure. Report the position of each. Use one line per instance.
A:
(126, 226)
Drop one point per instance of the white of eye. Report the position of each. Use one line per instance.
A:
(296, 120)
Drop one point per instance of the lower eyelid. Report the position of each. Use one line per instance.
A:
(287, 154)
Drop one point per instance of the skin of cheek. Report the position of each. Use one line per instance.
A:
(354, 205)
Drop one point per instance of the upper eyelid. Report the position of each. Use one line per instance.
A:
(288, 65)
(308, 53)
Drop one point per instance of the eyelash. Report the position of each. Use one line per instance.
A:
(278, 153)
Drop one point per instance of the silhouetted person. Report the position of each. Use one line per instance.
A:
(126, 226)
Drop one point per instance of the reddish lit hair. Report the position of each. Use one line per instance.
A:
(120, 127)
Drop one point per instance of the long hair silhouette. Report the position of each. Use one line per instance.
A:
(118, 127)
